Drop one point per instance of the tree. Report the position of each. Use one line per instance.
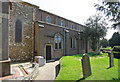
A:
(86, 35)
(95, 29)
(111, 10)
(115, 40)
(104, 42)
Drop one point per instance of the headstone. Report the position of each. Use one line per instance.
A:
(86, 66)
(111, 59)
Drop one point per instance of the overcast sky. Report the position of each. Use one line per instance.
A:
(75, 10)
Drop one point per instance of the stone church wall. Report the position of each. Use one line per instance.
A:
(21, 51)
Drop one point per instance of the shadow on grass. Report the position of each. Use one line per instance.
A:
(116, 79)
(108, 67)
(91, 54)
(80, 79)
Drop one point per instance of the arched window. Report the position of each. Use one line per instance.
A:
(72, 42)
(18, 31)
(56, 21)
(62, 23)
(72, 26)
(48, 19)
(58, 41)
(79, 28)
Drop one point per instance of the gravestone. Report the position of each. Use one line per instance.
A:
(86, 68)
(4, 34)
(111, 59)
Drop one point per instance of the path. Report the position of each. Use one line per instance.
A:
(47, 72)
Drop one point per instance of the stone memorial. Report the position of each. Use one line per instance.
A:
(86, 68)
(4, 32)
(111, 59)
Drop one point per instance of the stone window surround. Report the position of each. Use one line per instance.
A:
(72, 26)
(62, 23)
(56, 21)
(58, 34)
(22, 29)
(42, 16)
(73, 45)
(79, 28)
(47, 19)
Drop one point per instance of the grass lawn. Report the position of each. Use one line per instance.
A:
(72, 68)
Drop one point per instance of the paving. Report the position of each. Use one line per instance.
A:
(47, 72)
(16, 73)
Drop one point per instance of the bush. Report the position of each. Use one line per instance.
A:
(116, 51)
(116, 48)
(104, 50)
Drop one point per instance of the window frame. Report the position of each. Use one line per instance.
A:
(19, 29)
(42, 16)
(56, 20)
(73, 42)
(58, 42)
(79, 28)
(62, 24)
(72, 26)
(47, 19)
(66, 23)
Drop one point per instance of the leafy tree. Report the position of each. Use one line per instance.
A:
(111, 10)
(104, 42)
(115, 40)
(95, 29)
(86, 35)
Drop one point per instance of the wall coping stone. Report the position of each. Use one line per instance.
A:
(33, 74)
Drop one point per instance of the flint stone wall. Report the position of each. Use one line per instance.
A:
(21, 51)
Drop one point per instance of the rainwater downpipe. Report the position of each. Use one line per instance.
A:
(33, 44)
(64, 42)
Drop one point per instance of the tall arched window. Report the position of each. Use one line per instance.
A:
(72, 26)
(48, 19)
(72, 42)
(62, 23)
(58, 41)
(18, 31)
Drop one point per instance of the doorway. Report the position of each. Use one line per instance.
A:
(48, 52)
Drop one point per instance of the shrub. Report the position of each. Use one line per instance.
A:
(104, 50)
(116, 51)
(116, 48)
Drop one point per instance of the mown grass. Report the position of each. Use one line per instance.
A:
(72, 68)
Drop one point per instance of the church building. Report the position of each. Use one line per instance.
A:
(36, 32)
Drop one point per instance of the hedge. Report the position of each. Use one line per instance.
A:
(116, 51)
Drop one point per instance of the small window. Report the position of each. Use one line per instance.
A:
(48, 19)
(79, 28)
(73, 42)
(66, 23)
(18, 31)
(42, 16)
(72, 26)
(62, 23)
(56, 21)
(56, 42)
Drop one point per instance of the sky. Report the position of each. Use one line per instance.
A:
(75, 10)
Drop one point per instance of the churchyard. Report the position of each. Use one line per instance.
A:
(103, 67)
